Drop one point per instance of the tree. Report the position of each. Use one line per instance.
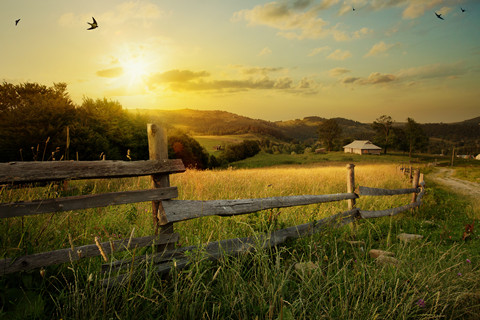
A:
(328, 131)
(182, 146)
(416, 137)
(383, 127)
(33, 118)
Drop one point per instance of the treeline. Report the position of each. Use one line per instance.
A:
(40, 123)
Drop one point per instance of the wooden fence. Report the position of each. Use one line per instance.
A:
(165, 211)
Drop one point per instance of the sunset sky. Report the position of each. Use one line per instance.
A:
(262, 59)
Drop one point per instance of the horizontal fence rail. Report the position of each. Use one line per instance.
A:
(180, 210)
(26, 172)
(44, 259)
(18, 209)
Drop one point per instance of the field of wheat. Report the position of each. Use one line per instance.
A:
(321, 276)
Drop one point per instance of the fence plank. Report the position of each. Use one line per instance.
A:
(216, 250)
(25, 172)
(17, 209)
(65, 255)
(179, 210)
(366, 191)
(388, 212)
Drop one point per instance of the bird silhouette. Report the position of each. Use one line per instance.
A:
(353, 9)
(463, 10)
(439, 16)
(93, 24)
(17, 21)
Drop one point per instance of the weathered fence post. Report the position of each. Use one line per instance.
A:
(415, 182)
(351, 184)
(158, 150)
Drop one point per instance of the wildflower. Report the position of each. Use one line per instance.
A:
(468, 261)
(459, 274)
(421, 303)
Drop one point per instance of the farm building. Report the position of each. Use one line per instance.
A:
(362, 147)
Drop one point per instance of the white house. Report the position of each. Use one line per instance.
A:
(362, 147)
(478, 156)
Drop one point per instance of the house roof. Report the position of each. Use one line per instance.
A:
(362, 144)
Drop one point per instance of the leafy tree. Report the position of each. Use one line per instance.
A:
(33, 118)
(383, 128)
(328, 131)
(399, 139)
(193, 155)
(240, 151)
(416, 137)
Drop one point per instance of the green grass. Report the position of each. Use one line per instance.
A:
(263, 284)
(209, 142)
(331, 158)
(470, 173)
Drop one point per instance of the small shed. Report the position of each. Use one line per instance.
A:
(362, 147)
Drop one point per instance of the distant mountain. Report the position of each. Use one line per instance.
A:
(216, 122)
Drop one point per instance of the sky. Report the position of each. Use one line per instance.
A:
(271, 60)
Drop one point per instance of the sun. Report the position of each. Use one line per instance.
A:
(134, 70)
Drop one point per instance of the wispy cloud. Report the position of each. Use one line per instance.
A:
(110, 73)
(336, 72)
(319, 50)
(339, 55)
(187, 80)
(265, 52)
(375, 78)
(296, 21)
(380, 49)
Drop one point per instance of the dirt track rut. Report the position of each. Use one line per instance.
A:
(445, 177)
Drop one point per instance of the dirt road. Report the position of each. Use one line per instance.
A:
(445, 177)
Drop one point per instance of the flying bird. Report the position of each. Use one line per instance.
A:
(463, 10)
(93, 24)
(17, 21)
(439, 16)
(353, 9)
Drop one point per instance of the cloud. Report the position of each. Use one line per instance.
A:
(417, 9)
(110, 73)
(434, 71)
(265, 52)
(375, 78)
(295, 21)
(259, 70)
(335, 72)
(316, 51)
(410, 75)
(339, 55)
(187, 80)
(176, 76)
(380, 48)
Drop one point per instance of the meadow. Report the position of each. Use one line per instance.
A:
(438, 276)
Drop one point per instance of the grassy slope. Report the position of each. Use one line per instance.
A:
(345, 284)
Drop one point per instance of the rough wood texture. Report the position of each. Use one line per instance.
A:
(18, 209)
(65, 255)
(24, 172)
(415, 181)
(366, 191)
(158, 150)
(216, 250)
(179, 210)
(388, 212)
(351, 184)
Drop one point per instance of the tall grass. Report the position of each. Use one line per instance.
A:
(435, 280)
